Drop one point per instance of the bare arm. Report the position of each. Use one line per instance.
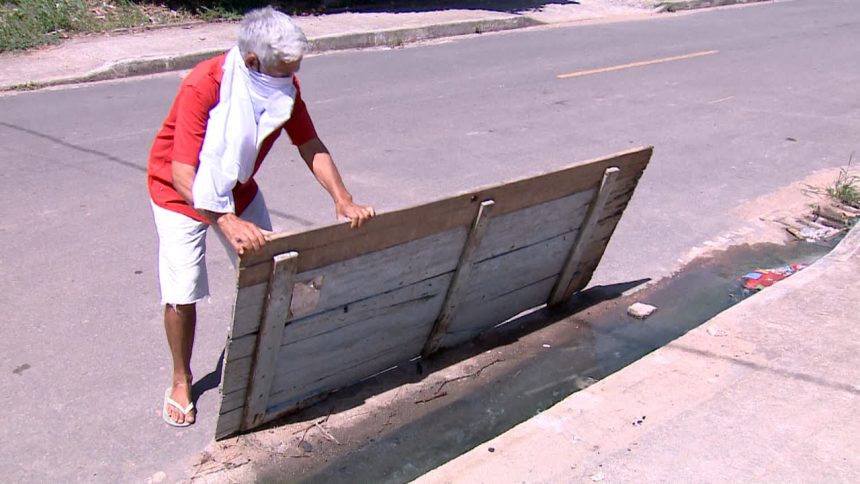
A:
(319, 161)
(242, 234)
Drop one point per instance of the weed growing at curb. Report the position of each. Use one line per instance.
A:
(27, 86)
(846, 188)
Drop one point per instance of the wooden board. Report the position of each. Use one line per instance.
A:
(350, 303)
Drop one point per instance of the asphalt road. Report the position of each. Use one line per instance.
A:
(82, 352)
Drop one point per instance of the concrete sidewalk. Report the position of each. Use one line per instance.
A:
(767, 391)
(101, 57)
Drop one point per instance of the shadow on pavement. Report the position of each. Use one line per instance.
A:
(75, 147)
(208, 382)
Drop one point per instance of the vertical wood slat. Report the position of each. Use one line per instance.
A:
(275, 314)
(461, 278)
(560, 291)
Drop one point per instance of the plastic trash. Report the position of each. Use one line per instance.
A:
(762, 278)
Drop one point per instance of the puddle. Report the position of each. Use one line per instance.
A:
(536, 369)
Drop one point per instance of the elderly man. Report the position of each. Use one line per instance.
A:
(227, 114)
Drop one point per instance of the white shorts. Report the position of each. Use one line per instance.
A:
(182, 251)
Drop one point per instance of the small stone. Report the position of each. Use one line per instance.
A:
(159, 476)
(547, 346)
(597, 477)
(306, 446)
(492, 449)
(641, 310)
(715, 331)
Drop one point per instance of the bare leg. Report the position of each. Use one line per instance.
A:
(179, 324)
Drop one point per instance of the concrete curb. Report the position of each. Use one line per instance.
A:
(358, 40)
(678, 5)
(399, 37)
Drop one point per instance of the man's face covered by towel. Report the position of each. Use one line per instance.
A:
(267, 80)
(280, 70)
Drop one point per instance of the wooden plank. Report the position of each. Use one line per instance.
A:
(518, 268)
(475, 319)
(231, 401)
(518, 194)
(236, 374)
(328, 325)
(367, 299)
(607, 185)
(248, 309)
(460, 279)
(241, 347)
(620, 197)
(320, 356)
(375, 273)
(533, 224)
(338, 242)
(505, 275)
(346, 282)
(503, 234)
(591, 258)
(342, 316)
(526, 268)
(275, 316)
(241, 341)
(292, 398)
(228, 424)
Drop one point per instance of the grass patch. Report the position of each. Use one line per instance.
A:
(30, 23)
(25, 24)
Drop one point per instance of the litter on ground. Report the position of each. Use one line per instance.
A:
(762, 278)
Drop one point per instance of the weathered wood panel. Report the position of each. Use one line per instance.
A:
(356, 339)
(346, 281)
(242, 347)
(534, 224)
(497, 285)
(385, 358)
(335, 319)
(460, 279)
(399, 266)
(584, 236)
(236, 374)
(231, 401)
(326, 245)
(476, 318)
(275, 315)
(365, 300)
(518, 268)
(228, 423)
(248, 309)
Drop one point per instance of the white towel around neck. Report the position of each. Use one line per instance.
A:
(248, 111)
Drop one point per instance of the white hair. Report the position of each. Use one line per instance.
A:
(272, 36)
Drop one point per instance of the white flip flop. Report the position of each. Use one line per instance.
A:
(184, 410)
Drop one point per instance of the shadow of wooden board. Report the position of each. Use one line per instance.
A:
(321, 310)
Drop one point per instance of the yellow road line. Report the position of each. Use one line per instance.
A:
(636, 64)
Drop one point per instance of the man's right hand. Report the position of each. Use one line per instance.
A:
(243, 235)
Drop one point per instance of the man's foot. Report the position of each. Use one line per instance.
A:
(178, 407)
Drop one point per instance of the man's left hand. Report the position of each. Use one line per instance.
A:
(357, 214)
